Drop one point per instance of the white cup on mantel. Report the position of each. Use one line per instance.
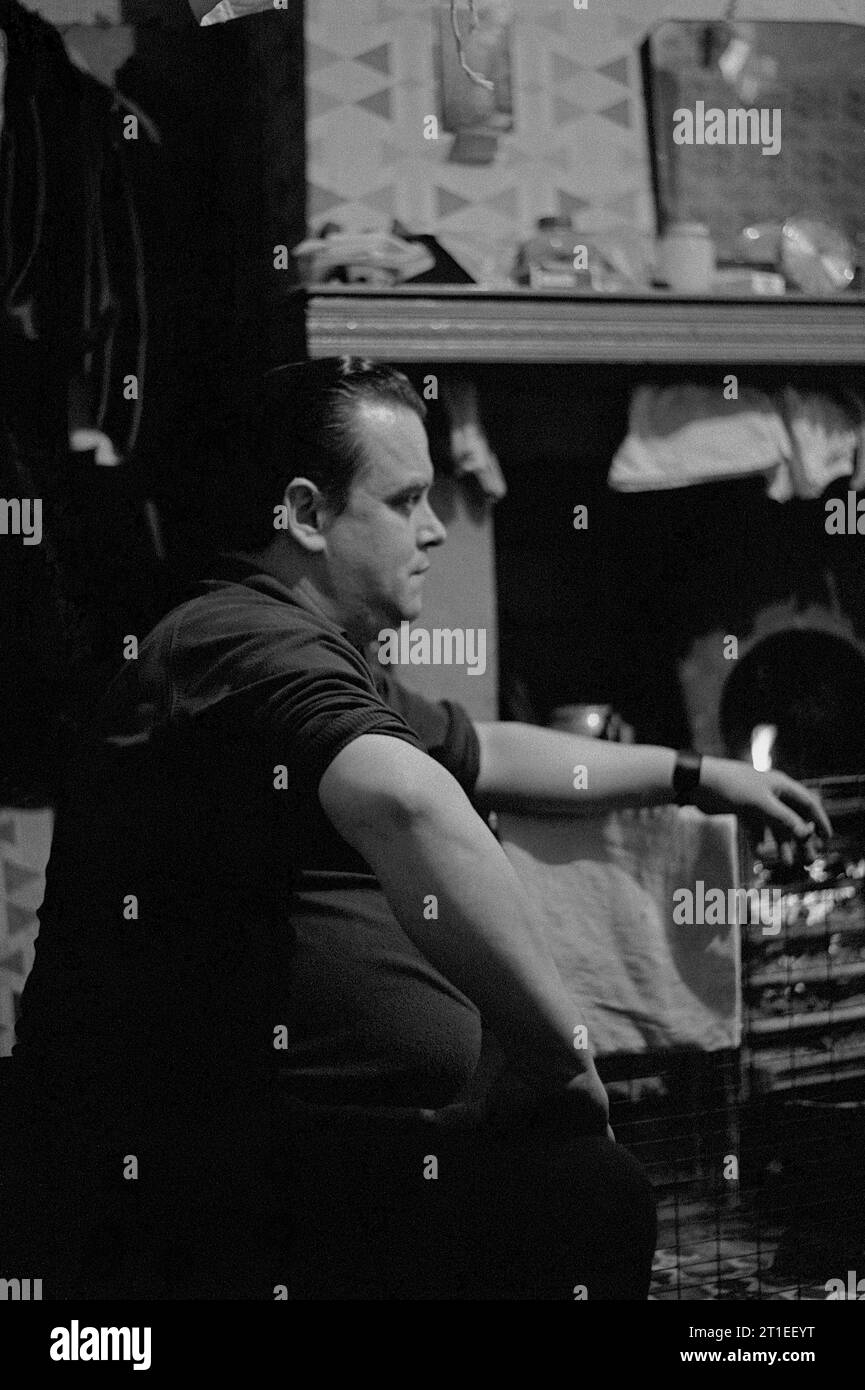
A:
(686, 258)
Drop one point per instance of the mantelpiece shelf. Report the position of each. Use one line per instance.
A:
(467, 324)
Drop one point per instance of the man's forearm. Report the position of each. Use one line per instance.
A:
(522, 765)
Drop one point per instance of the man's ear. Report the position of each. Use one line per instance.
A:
(304, 514)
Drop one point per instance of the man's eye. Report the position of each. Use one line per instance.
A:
(408, 503)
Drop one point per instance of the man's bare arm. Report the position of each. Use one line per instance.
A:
(529, 768)
(419, 833)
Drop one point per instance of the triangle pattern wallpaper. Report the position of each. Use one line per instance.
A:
(372, 82)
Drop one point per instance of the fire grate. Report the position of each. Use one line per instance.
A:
(758, 1155)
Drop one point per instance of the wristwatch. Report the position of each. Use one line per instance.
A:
(686, 777)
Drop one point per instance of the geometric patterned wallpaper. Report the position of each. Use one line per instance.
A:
(25, 839)
(578, 145)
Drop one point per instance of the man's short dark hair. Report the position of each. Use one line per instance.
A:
(304, 424)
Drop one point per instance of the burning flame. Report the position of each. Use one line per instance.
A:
(762, 742)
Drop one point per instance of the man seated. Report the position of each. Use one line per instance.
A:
(270, 1048)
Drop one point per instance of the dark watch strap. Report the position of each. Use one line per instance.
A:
(686, 777)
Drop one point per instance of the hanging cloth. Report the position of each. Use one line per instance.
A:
(72, 339)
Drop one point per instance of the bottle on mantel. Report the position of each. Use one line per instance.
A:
(554, 258)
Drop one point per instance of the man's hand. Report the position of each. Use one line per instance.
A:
(760, 798)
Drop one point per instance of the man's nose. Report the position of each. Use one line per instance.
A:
(432, 530)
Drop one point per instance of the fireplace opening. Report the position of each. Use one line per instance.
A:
(809, 686)
(795, 702)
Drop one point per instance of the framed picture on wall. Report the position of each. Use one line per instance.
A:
(756, 123)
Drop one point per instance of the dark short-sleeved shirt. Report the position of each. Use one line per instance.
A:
(204, 926)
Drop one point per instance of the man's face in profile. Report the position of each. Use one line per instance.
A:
(378, 547)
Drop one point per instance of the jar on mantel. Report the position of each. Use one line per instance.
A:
(686, 259)
(554, 258)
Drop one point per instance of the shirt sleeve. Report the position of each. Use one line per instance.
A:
(281, 677)
(443, 727)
